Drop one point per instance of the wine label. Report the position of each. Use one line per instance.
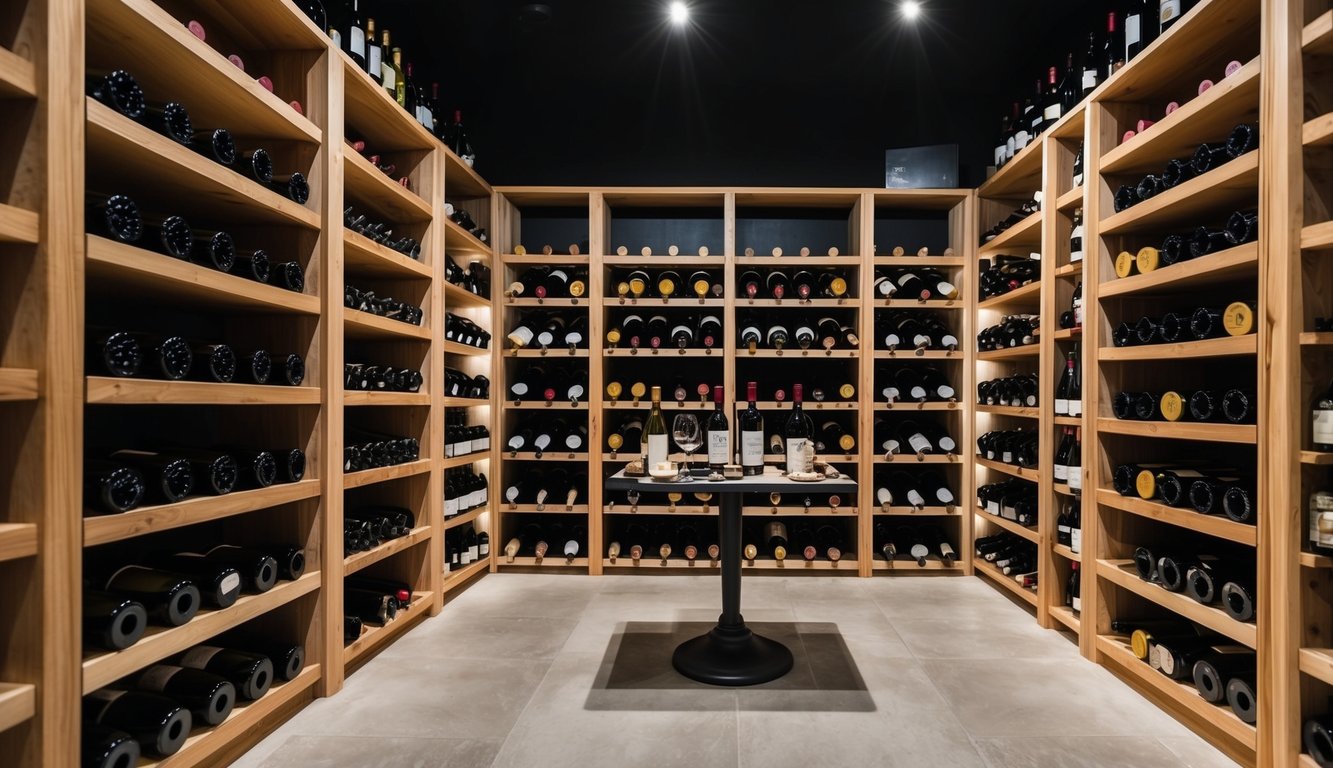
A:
(483, 547)
(1051, 112)
(1089, 79)
(993, 507)
(1075, 407)
(1061, 407)
(375, 60)
(1077, 603)
(1062, 475)
(231, 583)
(655, 448)
(199, 656)
(1075, 478)
(718, 446)
(1076, 539)
(752, 449)
(1322, 433)
(1170, 10)
(1173, 406)
(796, 454)
(357, 41)
(1133, 32)
(390, 78)
(919, 443)
(451, 507)
(1021, 139)
(1124, 264)
(1238, 319)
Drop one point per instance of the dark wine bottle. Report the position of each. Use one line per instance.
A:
(259, 571)
(219, 585)
(209, 697)
(104, 747)
(111, 487)
(251, 673)
(159, 724)
(112, 622)
(170, 599)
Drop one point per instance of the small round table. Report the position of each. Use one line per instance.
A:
(730, 653)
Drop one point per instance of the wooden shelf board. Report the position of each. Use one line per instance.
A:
(1019, 177)
(1024, 235)
(1318, 663)
(1230, 265)
(137, 157)
(1067, 553)
(18, 384)
(382, 474)
(168, 59)
(651, 562)
(18, 76)
(1073, 269)
(1226, 346)
(19, 225)
(689, 510)
(1317, 339)
(18, 704)
(680, 302)
(377, 117)
(116, 266)
(454, 348)
(1013, 353)
(1218, 190)
(560, 303)
(1122, 574)
(1023, 473)
(526, 405)
(277, 25)
(467, 517)
(1303, 760)
(1318, 458)
(549, 455)
(908, 355)
(774, 405)
(562, 352)
(790, 511)
(794, 565)
(104, 529)
(994, 574)
(465, 459)
(1317, 37)
(364, 325)
(1067, 334)
(110, 390)
(795, 259)
(1318, 132)
(911, 461)
(905, 566)
(581, 260)
(1071, 199)
(796, 352)
(1068, 421)
(1312, 560)
(360, 560)
(17, 540)
(849, 302)
(1066, 616)
(675, 405)
(1010, 410)
(247, 717)
(356, 398)
(678, 564)
(372, 188)
(777, 459)
(456, 296)
(459, 240)
(365, 257)
(550, 509)
(550, 561)
(892, 511)
(1182, 430)
(919, 261)
(1232, 100)
(1181, 694)
(902, 407)
(1010, 526)
(460, 179)
(105, 667)
(373, 637)
(1028, 295)
(455, 579)
(1317, 237)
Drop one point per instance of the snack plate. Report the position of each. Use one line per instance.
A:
(805, 477)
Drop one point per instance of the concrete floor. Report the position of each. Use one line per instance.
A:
(512, 673)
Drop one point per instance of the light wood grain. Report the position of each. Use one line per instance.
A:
(1067, 617)
(18, 225)
(371, 187)
(1181, 430)
(18, 384)
(18, 703)
(1018, 178)
(994, 575)
(360, 560)
(1212, 525)
(17, 540)
(462, 461)
(1230, 186)
(1227, 346)
(455, 296)
(1031, 534)
(1317, 37)
(363, 256)
(460, 241)
(377, 117)
(363, 325)
(372, 476)
(1009, 410)
(467, 517)
(373, 639)
(1025, 235)
(355, 398)
(454, 580)
(1027, 296)
(1318, 131)
(107, 390)
(1012, 353)
(461, 180)
(1122, 574)
(1318, 663)
(18, 76)
(1232, 265)
(1317, 237)
(1023, 473)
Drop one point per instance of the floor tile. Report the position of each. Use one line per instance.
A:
(349, 751)
(484, 638)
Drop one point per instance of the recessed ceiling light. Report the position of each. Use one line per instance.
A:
(680, 13)
(911, 9)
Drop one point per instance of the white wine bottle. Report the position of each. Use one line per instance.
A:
(655, 434)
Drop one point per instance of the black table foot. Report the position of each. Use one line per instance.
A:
(732, 656)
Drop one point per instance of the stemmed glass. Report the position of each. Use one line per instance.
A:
(685, 431)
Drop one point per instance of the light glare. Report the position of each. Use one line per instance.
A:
(680, 13)
(911, 9)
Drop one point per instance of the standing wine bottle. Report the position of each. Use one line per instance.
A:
(354, 36)
(209, 697)
(1093, 71)
(1141, 26)
(1052, 107)
(1322, 432)
(159, 724)
(655, 434)
(751, 427)
(1062, 389)
(797, 433)
(1114, 57)
(719, 433)
(1170, 11)
(251, 673)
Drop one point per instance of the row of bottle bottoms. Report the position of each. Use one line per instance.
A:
(169, 588)
(382, 306)
(1237, 319)
(371, 601)
(1208, 489)
(1223, 672)
(1234, 406)
(370, 450)
(120, 91)
(130, 354)
(1023, 390)
(1207, 579)
(475, 278)
(118, 217)
(1241, 227)
(154, 710)
(1013, 555)
(366, 527)
(1244, 138)
(123, 480)
(463, 331)
(381, 232)
(774, 501)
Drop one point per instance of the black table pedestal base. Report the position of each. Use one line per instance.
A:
(732, 656)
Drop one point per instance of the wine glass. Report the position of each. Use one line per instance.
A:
(685, 431)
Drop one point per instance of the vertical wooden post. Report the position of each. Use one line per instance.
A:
(598, 235)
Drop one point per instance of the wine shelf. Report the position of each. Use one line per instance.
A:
(683, 302)
(1318, 131)
(549, 509)
(1316, 339)
(18, 703)
(554, 560)
(373, 638)
(892, 511)
(1227, 346)
(1018, 178)
(1067, 421)
(533, 259)
(693, 509)
(665, 352)
(206, 742)
(1317, 37)
(18, 384)
(1070, 200)
(467, 517)
(1027, 296)
(462, 179)
(1067, 617)
(360, 560)
(139, 158)
(356, 398)
(1122, 574)
(1178, 430)
(1009, 410)
(1316, 458)
(1013, 353)
(1231, 265)
(1067, 334)
(906, 565)
(101, 668)
(17, 540)
(905, 407)
(115, 265)
(1317, 237)
(116, 391)
(383, 123)
(1220, 190)
(815, 510)
(18, 225)
(1179, 694)
(465, 459)
(996, 575)
(183, 64)
(792, 564)
(819, 354)
(553, 352)
(908, 355)
(1070, 270)
(455, 296)
(1024, 234)
(910, 461)
(472, 402)
(1212, 525)
(1312, 560)
(375, 190)
(652, 561)
(526, 405)
(460, 241)
(1232, 100)
(105, 529)
(551, 455)
(955, 262)
(382, 474)
(892, 303)
(809, 405)
(1317, 663)
(365, 257)
(18, 76)
(792, 260)
(363, 325)
(1030, 534)
(454, 348)
(1022, 473)
(1066, 553)
(455, 579)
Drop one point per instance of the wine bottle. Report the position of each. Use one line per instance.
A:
(251, 673)
(1141, 26)
(104, 747)
(1322, 430)
(159, 724)
(797, 433)
(258, 570)
(1052, 106)
(1170, 11)
(751, 424)
(1114, 57)
(112, 622)
(218, 584)
(209, 697)
(170, 599)
(655, 434)
(719, 433)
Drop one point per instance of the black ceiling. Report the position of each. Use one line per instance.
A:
(753, 92)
